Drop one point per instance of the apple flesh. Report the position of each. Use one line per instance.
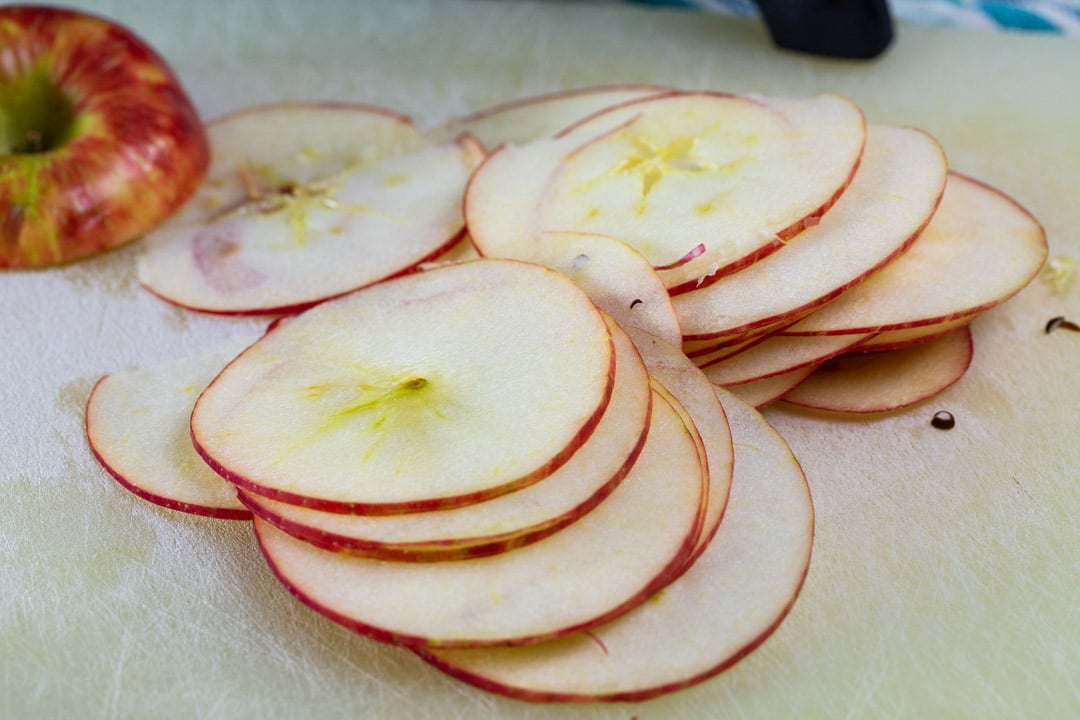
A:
(778, 355)
(616, 277)
(760, 393)
(979, 249)
(898, 339)
(614, 557)
(286, 250)
(504, 522)
(137, 427)
(533, 118)
(409, 395)
(723, 180)
(891, 198)
(92, 154)
(695, 394)
(264, 151)
(885, 381)
(724, 606)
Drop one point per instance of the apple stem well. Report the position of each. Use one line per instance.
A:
(35, 116)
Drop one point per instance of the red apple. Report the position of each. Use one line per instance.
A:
(98, 140)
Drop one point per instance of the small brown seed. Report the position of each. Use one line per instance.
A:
(943, 420)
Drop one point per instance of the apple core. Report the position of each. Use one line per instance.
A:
(35, 116)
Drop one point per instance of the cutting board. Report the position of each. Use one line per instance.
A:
(945, 572)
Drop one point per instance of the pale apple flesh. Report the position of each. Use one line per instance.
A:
(618, 279)
(504, 522)
(777, 355)
(540, 116)
(696, 395)
(137, 427)
(286, 251)
(731, 175)
(389, 389)
(885, 381)
(979, 249)
(265, 151)
(92, 154)
(613, 558)
(891, 198)
(760, 393)
(898, 339)
(724, 606)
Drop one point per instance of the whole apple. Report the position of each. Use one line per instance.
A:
(98, 140)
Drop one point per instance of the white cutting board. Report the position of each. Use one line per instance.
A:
(946, 568)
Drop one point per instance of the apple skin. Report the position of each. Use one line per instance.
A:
(98, 140)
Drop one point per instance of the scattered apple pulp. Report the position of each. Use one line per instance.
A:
(99, 142)
(446, 447)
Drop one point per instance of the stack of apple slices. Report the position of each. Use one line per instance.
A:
(451, 441)
(507, 411)
(789, 235)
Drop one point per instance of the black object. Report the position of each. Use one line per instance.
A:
(858, 29)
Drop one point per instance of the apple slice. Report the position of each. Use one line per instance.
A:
(410, 394)
(890, 200)
(697, 396)
(265, 151)
(777, 355)
(760, 393)
(539, 116)
(613, 558)
(460, 251)
(979, 249)
(137, 427)
(504, 522)
(898, 339)
(722, 608)
(619, 280)
(701, 351)
(503, 196)
(703, 184)
(291, 249)
(885, 381)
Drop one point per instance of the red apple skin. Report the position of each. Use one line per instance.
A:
(135, 152)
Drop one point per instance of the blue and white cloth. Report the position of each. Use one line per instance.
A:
(1052, 16)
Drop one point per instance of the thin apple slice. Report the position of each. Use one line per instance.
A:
(619, 280)
(899, 339)
(696, 395)
(504, 194)
(980, 248)
(539, 116)
(613, 558)
(504, 522)
(702, 350)
(761, 393)
(885, 381)
(777, 355)
(137, 427)
(292, 249)
(460, 251)
(721, 609)
(703, 184)
(262, 151)
(890, 200)
(409, 395)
